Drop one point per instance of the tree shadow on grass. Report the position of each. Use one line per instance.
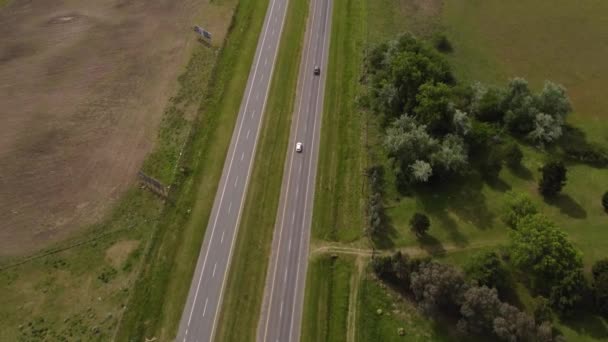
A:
(588, 325)
(436, 205)
(522, 172)
(431, 245)
(384, 239)
(498, 184)
(567, 205)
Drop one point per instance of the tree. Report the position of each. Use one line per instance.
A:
(491, 166)
(569, 291)
(605, 201)
(547, 129)
(451, 156)
(554, 101)
(541, 250)
(436, 285)
(520, 107)
(513, 154)
(553, 178)
(479, 308)
(514, 325)
(517, 206)
(421, 171)
(487, 270)
(461, 122)
(488, 105)
(435, 108)
(419, 224)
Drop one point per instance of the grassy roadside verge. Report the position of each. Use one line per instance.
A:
(338, 210)
(327, 299)
(245, 285)
(155, 308)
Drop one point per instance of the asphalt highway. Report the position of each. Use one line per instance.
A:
(281, 313)
(201, 311)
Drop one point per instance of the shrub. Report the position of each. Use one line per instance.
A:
(419, 224)
(553, 178)
(442, 44)
(605, 201)
(569, 291)
(600, 285)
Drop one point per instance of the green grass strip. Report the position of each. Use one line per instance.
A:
(327, 299)
(245, 286)
(339, 212)
(160, 293)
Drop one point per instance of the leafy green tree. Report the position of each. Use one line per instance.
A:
(420, 224)
(488, 104)
(491, 166)
(462, 123)
(435, 107)
(553, 178)
(487, 270)
(605, 201)
(436, 286)
(517, 206)
(569, 291)
(398, 69)
(547, 129)
(554, 101)
(520, 106)
(513, 155)
(421, 171)
(451, 156)
(543, 251)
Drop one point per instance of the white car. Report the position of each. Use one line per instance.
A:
(298, 147)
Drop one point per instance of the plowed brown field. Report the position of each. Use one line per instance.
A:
(83, 85)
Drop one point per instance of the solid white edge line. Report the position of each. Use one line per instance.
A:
(249, 171)
(319, 94)
(274, 275)
(258, 57)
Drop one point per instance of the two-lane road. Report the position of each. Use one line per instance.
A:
(199, 319)
(284, 294)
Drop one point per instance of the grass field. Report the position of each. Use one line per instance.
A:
(161, 291)
(492, 41)
(327, 298)
(79, 289)
(338, 210)
(245, 286)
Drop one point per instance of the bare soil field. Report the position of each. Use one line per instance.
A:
(83, 85)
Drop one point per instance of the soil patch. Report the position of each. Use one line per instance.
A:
(83, 85)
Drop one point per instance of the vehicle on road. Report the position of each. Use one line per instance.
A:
(317, 70)
(299, 147)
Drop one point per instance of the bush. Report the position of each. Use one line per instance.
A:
(442, 44)
(419, 224)
(553, 178)
(569, 291)
(605, 201)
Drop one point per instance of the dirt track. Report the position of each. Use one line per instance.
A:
(82, 88)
